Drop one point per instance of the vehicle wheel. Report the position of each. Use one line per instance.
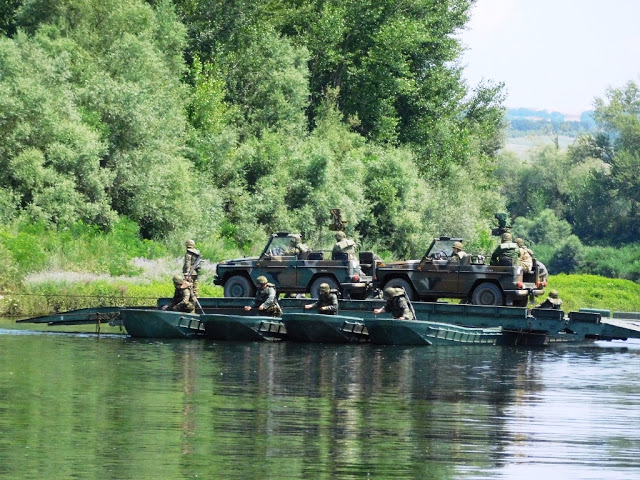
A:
(314, 290)
(239, 286)
(487, 294)
(402, 283)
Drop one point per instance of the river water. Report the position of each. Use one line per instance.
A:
(87, 406)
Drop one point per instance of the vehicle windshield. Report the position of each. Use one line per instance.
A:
(281, 246)
(441, 249)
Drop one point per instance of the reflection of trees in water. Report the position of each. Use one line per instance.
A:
(362, 408)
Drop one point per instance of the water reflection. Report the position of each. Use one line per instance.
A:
(115, 407)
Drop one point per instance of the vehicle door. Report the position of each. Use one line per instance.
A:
(438, 274)
(278, 264)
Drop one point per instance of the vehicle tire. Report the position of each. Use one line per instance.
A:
(239, 286)
(314, 290)
(487, 294)
(401, 283)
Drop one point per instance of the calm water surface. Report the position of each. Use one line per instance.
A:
(84, 406)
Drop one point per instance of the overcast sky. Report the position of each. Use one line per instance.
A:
(555, 55)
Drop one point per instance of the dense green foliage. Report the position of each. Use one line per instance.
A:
(282, 110)
(225, 121)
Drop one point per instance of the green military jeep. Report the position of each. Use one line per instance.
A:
(294, 272)
(436, 276)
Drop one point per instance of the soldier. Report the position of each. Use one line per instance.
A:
(526, 256)
(266, 298)
(459, 255)
(327, 302)
(191, 265)
(507, 253)
(344, 245)
(297, 248)
(397, 304)
(553, 301)
(183, 300)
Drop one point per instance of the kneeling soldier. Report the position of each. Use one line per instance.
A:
(397, 304)
(327, 301)
(182, 300)
(266, 298)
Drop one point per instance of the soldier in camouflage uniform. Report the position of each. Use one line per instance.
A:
(397, 304)
(553, 301)
(266, 298)
(345, 245)
(459, 255)
(182, 300)
(327, 302)
(526, 256)
(297, 248)
(507, 253)
(191, 265)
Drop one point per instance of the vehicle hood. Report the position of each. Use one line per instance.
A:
(239, 261)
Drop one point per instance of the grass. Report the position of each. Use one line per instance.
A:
(592, 291)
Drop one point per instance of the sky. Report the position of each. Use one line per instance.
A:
(555, 55)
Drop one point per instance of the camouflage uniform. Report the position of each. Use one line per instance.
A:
(345, 245)
(507, 253)
(189, 270)
(526, 256)
(327, 303)
(460, 256)
(267, 298)
(182, 300)
(552, 301)
(397, 303)
(298, 248)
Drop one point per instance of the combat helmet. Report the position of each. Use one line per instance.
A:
(389, 292)
(340, 236)
(457, 245)
(324, 288)
(262, 280)
(190, 244)
(520, 242)
(177, 280)
(553, 294)
(506, 237)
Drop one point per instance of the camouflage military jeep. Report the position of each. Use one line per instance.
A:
(435, 276)
(292, 272)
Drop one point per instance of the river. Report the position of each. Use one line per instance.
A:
(87, 406)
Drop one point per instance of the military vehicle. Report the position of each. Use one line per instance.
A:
(295, 272)
(436, 276)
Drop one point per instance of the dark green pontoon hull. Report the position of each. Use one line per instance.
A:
(243, 328)
(81, 316)
(318, 328)
(415, 332)
(147, 323)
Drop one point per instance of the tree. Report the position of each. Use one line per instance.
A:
(119, 67)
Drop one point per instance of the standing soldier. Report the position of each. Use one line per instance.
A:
(266, 298)
(182, 300)
(397, 304)
(191, 265)
(327, 302)
(345, 245)
(526, 256)
(507, 253)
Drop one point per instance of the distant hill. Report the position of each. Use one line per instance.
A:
(525, 121)
(529, 129)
